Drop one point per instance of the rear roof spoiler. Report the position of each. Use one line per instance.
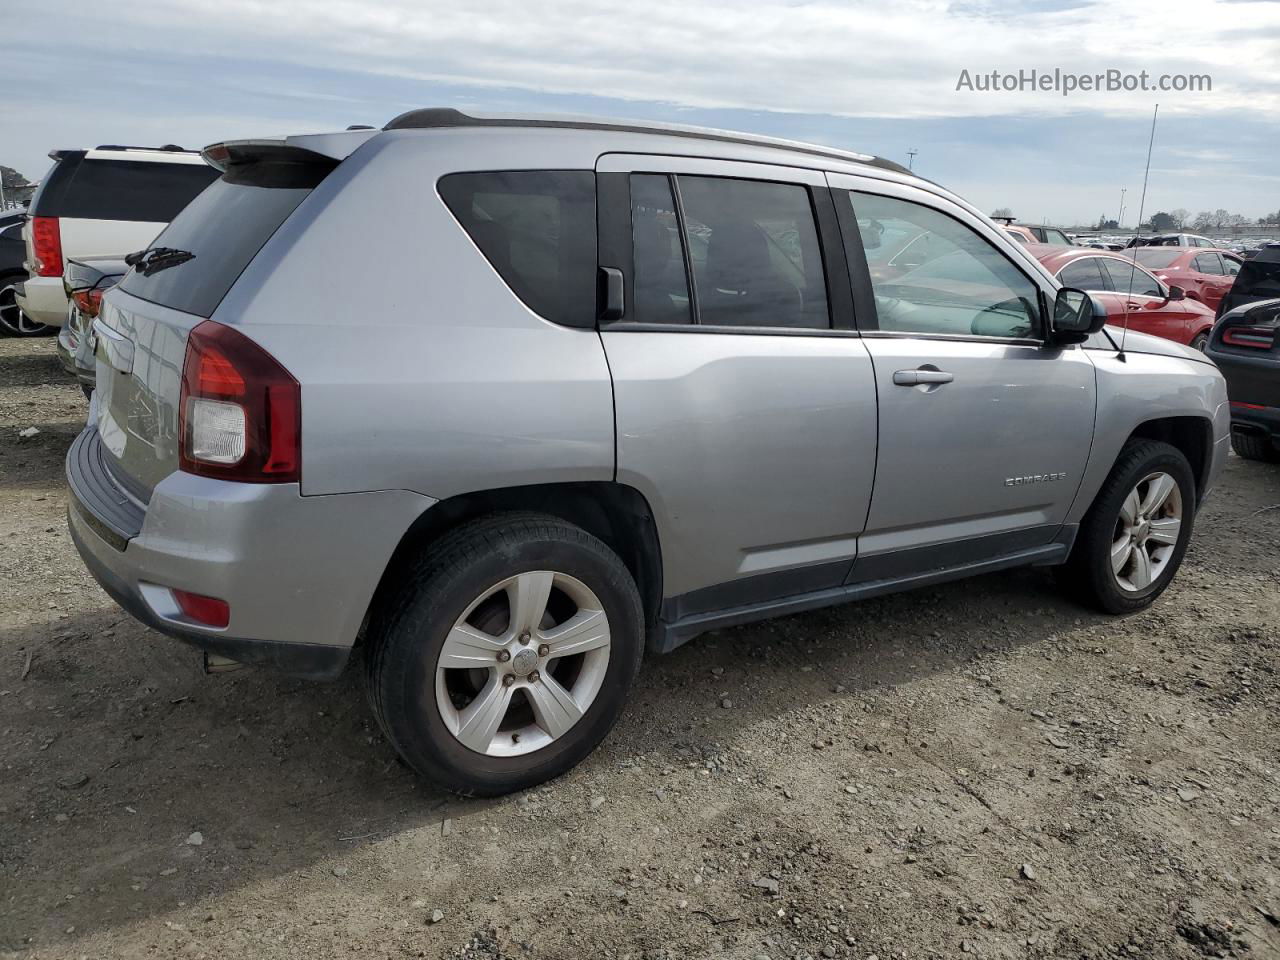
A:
(331, 148)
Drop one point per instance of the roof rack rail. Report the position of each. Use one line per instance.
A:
(446, 117)
(167, 148)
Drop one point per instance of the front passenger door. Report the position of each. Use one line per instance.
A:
(984, 428)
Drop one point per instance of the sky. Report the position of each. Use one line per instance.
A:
(878, 78)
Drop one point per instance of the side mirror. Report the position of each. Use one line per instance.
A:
(1076, 315)
(1177, 293)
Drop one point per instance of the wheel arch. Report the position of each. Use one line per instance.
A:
(617, 514)
(1192, 435)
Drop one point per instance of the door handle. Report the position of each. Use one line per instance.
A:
(914, 378)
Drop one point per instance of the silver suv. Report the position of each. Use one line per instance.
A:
(510, 401)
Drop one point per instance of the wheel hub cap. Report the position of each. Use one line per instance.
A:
(524, 662)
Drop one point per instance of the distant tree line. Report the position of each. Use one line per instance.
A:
(1181, 219)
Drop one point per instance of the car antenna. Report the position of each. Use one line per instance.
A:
(1133, 269)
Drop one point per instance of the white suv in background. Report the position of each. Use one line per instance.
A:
(108, 201)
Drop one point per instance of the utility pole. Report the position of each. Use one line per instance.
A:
(1120, 215)
(911, 158)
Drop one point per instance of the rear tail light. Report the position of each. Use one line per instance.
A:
(240, 412)
(1260, 338)
(209, 611)
(46, 246)
(88, 302)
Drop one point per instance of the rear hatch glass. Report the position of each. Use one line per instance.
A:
(197, 258)
(145, 191)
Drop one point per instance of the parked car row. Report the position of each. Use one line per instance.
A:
(1133, 297)
(107, 201)
(13, 270)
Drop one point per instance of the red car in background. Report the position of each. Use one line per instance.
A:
(1206, 275)
(1127, 288)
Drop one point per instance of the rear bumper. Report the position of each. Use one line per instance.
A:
(43, 300)
(1256, 421)
(74, 353)
(297, 572)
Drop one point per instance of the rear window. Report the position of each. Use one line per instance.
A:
(1157, 258)
(136, 190)
(222, 230)
(538, 230)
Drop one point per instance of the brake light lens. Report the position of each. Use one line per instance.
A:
(209, 611)
(1259, 338)
(240, 411)
(46, 246)
(88, 302)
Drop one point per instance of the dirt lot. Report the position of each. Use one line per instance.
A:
(978, 769)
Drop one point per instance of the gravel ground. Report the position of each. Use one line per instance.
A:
(980, 769)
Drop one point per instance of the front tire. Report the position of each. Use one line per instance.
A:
(1199, 342)
(1135, 535)
(503, 657)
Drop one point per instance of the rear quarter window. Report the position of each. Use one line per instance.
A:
(222, 229)
(132, 190)
(537, 228)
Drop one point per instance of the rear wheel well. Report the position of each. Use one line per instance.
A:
(1191, 435)
(617, 514)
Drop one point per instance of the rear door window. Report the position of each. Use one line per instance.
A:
(754, 249)
(537, 228)
(1083, 274)
(221, 230)
(146, 191)
(1209, 263)
(661, 283)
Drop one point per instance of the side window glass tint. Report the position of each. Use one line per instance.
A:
(538, 230)
(1232, 266)
(1083, 274)
(660, 282)
(756, 257)
(932, 274)
(1127, 275)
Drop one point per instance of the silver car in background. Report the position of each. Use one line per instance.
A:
(604, 387)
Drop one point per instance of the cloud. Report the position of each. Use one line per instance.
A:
(876, 77)
(844, 59)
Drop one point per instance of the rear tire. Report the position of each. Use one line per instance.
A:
(13, 322)
(1200, 342)
(1135, 535)
(450, 650)
(1254, 446)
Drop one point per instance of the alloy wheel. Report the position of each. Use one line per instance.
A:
(1146, 532)
(523, 663)
(12, 319)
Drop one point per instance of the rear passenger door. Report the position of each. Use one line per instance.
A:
(744, 398)
(984, 428)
